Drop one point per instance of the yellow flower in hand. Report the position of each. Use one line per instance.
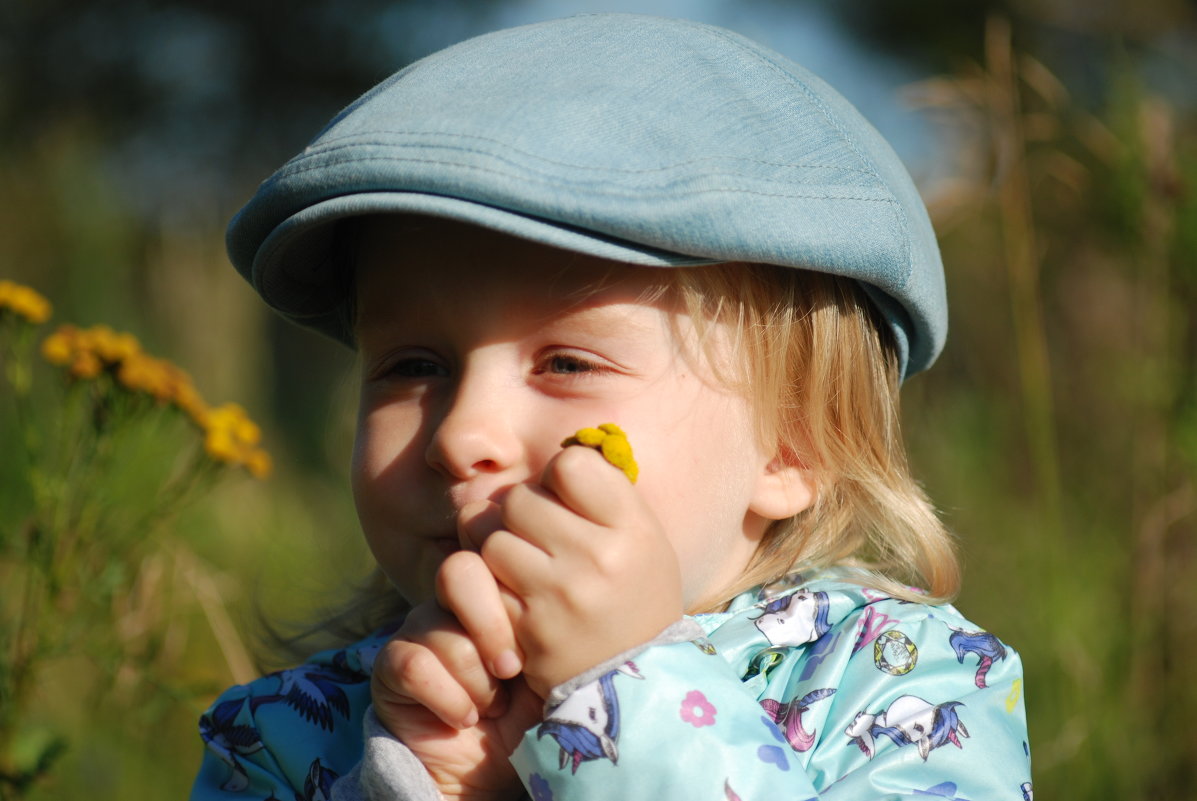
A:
(611, 441)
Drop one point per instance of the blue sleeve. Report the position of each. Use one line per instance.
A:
(289, 735)
(238, 762)
(892, 702)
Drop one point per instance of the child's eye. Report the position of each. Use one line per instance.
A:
(416, 368)
(566, 364)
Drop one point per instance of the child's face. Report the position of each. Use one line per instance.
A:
(481, 352)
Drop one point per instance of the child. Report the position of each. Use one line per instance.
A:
(662, 225)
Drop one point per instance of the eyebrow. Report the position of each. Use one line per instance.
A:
(614, 319)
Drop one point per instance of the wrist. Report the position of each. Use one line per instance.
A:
(683, 630)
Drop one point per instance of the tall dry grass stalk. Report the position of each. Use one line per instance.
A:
(1069, 456)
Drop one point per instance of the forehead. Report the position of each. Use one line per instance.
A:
(417, 265)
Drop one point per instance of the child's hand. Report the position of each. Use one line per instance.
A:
(432, 687)
(589, 569)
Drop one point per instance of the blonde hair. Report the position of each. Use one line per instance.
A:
(817, 361)
(813, 355)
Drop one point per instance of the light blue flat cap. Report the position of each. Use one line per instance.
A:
(651, 141)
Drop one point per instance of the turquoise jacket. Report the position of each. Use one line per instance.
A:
(817, 687)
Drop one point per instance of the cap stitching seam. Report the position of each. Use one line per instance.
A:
(320, 150)
(490, 170)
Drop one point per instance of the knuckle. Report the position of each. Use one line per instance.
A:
(571, 462)
(608, 563)
(389, 655)
(411, 667)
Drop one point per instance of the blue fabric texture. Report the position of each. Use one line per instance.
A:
(817, 687)
(646, 140)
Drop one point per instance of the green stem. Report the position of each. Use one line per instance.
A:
(1022, 262)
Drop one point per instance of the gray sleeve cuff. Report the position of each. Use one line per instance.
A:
(389, 771)
(683, 630)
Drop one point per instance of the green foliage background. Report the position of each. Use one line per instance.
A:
(1058, 433)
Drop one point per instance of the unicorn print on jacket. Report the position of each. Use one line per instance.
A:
(788, 716)
(586, 724)
(909, 721)
(795, 619)
(987, 648)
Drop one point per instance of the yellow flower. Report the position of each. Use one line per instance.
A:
(259, 464)
(231, 437)
(86, 365)
(618, 451)
(188, 399)
(219, 444)
(114, 348)
(225, 417)
(143, 373)
(611, 441)
(590, 437)
(24, 302)
(59, 348)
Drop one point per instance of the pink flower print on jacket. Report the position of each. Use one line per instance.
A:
(586, 724)
(697, 710)
(910, 721)
(795, 619)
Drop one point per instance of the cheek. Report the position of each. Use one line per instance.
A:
(387, 437)
(365, 469)
(382, 478)
(699, 474)
(382, 464)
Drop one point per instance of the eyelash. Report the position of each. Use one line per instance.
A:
(402, 368)
(557, 364)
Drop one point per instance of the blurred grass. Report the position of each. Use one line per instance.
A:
(1058, 433)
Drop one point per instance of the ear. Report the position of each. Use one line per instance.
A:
(785, 488)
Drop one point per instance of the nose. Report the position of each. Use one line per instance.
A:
(475, 434)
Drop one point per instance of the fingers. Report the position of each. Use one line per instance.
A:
(432, 661)
(574, 512)
(585, 483)
(405, 674)
(466, 588)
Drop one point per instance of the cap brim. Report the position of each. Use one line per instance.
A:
(294, 273)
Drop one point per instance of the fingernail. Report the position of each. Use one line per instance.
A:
(506, 665)
(470, 720)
